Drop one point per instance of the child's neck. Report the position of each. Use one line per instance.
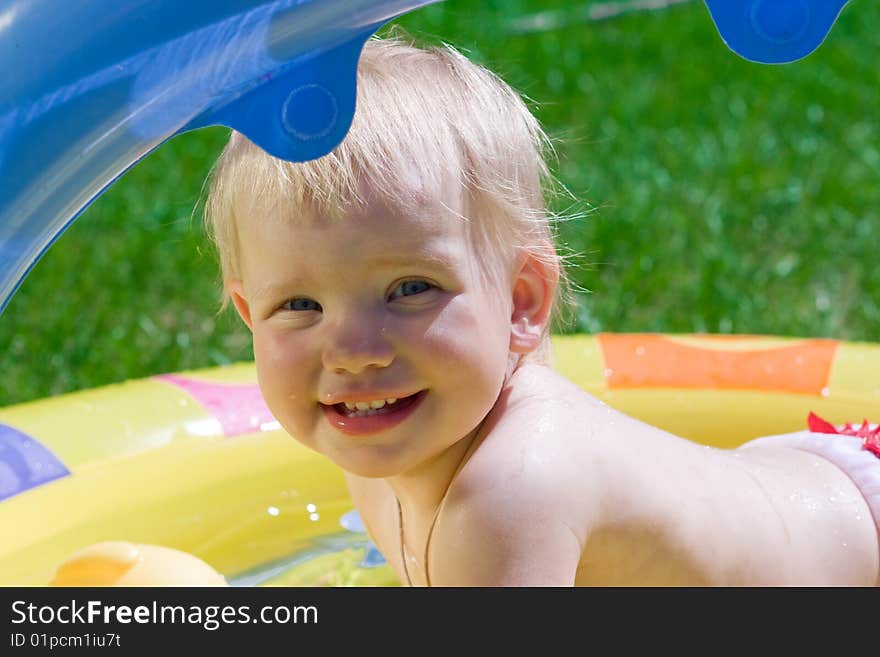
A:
(421, 491)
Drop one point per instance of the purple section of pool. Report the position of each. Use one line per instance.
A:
(25, 463)
(239, 408)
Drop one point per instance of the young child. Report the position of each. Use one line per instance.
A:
(399, 291)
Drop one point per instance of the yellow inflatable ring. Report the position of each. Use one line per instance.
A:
(194, 461)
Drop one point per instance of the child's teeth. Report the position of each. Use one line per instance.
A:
(359, 409)
(365, 406)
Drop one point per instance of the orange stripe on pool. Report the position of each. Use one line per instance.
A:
(717, 362)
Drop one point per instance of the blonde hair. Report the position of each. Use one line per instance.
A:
(423, 116)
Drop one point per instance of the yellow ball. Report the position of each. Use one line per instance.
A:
(117, 563)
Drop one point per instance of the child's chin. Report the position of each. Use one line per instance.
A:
(380, 464)
(370, 470)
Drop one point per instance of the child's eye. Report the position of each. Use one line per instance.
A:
(410, 288)
(301, 304)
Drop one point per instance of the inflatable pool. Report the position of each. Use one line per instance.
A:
(195, 461)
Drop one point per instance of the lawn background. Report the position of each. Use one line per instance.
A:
(723, 197)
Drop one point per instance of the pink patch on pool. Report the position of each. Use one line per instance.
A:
(240, 408)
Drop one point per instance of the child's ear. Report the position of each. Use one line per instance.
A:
(235, 288)
(534, 289)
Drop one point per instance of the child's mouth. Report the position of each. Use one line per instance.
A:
(365, 417)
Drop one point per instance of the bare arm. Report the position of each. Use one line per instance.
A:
(514, 534)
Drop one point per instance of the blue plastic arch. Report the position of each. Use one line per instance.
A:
(91, 87)
(774, 31)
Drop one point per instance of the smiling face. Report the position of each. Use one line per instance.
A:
(379, 307)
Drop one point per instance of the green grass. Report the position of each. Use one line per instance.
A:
(727, 196)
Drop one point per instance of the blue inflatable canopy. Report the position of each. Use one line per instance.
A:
(90, 87)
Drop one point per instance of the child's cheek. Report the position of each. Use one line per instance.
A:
(467, 346)
(470, 329)
(283, 370)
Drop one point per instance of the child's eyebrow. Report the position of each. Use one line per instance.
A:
(432, 258)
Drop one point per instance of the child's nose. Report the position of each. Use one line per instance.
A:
(357, 344)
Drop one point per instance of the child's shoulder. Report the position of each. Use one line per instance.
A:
(548, 446)
(538, 402)
(535, 449)
(529, 376)
(524, 500)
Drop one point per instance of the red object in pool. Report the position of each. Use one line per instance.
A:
(870, 437)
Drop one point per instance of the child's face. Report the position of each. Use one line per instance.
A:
(375, 306)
